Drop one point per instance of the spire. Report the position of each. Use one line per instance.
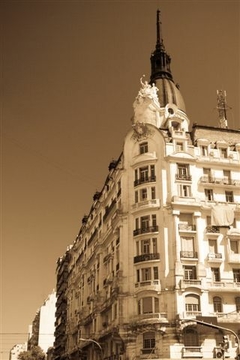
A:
(160, 60)
(222, 108)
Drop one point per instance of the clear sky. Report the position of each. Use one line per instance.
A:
(70, 74)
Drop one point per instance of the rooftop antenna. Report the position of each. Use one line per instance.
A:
(222, 108)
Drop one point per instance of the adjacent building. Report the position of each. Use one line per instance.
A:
(159, 251)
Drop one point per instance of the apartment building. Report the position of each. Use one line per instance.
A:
(159, 250)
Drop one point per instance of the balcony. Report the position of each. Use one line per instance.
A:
(234, 258)
(145, 230)
(212, 229)
(148, 285)
(182, 226)
(214, 257)
(151, 318)
(189, 254)
(219, 181)
(192, 282)
(146, 257)
(224, 286)
(144, 180)
(146, 204)
(184, 177)
(233, 317)
(192, 352)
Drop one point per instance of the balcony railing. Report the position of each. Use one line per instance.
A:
(185, 177)
(223, 181)
(145, 179)
(188, 254)
(144, 230)
(186, 227)
(146, 257)
(148, 283)
(212, 229)
(213, 257)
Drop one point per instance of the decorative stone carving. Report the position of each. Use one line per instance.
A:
(146, 105)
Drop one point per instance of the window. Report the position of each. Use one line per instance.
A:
(145, 222)
(153, 193)
(223, 152)
(144, 174)
(190, 337)
(215, 274)
(237, 302)
(192, 303)
(188, 246)
(145, 246)
(208, 194)
(183, 172)
(204, 150)
(143, 148)
(155, 273)
(148, 341)
(154, 245)
(148, 305)
(236, 275)
(143, 194)
(189, 272)
(179, 146)
(226, 176)
(229, 196)
(234, 246)
(136, 196)
(184, 190)
(146, 274)
(212, 244)
(217, 304)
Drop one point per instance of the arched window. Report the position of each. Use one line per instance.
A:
(217, 304)
(190, 337)
(192, 303)
(237, 302)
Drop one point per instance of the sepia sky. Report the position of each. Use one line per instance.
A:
(70, 73)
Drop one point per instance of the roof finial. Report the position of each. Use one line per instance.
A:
(159, 39)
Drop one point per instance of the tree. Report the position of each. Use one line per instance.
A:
(36, 353)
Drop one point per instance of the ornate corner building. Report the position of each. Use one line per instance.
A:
(160, 247)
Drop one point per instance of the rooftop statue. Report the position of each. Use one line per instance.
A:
(146, 105)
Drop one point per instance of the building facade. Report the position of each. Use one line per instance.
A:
(159, 251)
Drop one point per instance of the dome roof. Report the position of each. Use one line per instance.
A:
(169, 93)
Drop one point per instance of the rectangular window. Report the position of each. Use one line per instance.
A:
(136, 196)
(154, 245)
(154, 220)
(187, 243)
(143, 148)
(155, 273)
(223, 152)
(147, 305)
(143, 194)
(183, 172)
(229, 196)
(226, 176)
(146, 274)
(153, 193)
(204, 150)
(143, 172)
(212, 244)
(209, 194)
(189, 272)
(215, 274)
(184, 190)
(236, 275)
(148, 340)
(179, 146)
(234, 246)
(145, 222)
(145, 246)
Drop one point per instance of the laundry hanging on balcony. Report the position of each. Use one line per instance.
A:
(222, 215)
